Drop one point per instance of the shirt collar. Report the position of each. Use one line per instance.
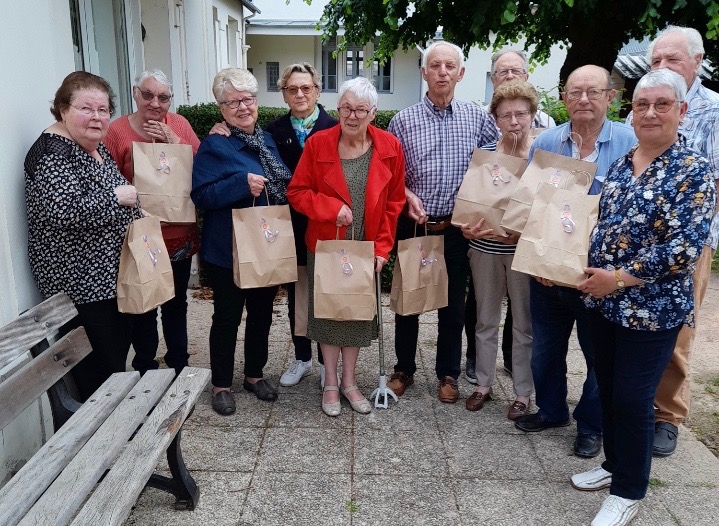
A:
(605, 135)
(432, 107)
(693, 89)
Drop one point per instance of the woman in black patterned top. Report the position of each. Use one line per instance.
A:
(78, 208)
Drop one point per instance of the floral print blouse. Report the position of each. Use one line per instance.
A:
(653, 226)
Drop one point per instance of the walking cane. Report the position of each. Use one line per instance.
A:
(382, 393)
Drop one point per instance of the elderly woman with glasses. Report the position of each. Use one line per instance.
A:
(235, 172)
(514, 105)
(654, 215)
(153, 122)
(78, 209)
(351, 178)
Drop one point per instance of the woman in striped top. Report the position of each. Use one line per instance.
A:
(513, 106)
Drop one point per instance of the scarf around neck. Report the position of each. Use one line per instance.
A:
(303, 127)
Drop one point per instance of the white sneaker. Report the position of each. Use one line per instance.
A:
(322, 376)
(592, 480)
(616, 511)
(295, 372)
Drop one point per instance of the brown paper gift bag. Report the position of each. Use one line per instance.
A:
(486, 189)
(145, 279)
(419, 280)
(263, 246)
(302, 302)
(557, 170)
(344, 280)
(163, 178)
(555, 241)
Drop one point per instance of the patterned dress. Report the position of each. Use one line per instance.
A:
(344, 333)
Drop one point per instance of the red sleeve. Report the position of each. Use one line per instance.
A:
(119, 144)
(181, 126)
(395, 202)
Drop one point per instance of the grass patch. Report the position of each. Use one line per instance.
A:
(352, 506)
(714, 381)
(657, 483)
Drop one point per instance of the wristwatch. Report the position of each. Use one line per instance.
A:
(618, 277)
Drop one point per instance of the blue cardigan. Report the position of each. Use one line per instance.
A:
(614, 141)
(219, 184)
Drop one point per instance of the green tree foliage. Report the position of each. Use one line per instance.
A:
(593, 31)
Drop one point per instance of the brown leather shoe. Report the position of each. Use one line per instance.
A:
(448, 391)
(399, 382)
(518, 409)
(476, 400)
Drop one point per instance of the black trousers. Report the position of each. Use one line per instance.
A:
(470, 323)
(109, 332)
(303, 345)
(145, 338)
(229, 302)
(450, 318)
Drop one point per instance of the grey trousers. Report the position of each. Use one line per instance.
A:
(493, 279)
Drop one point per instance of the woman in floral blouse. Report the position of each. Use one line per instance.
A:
(654, 215)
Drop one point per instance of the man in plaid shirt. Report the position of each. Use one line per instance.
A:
(438, 135)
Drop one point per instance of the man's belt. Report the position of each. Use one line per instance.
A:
(438, 223)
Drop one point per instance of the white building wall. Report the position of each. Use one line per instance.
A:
(156, 21)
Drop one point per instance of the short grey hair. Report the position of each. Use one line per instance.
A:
(497, 55)
(663, 77)
(361, 88)
(302, 67)
(238, 78)
(434, 45)
(695, 44)
(156, 74)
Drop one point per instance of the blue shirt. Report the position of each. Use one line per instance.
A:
(615, 140)
(438, 146)
(653, 226)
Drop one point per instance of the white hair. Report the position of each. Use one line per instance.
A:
(156, 74)
(434, 45)
(238, 78)
(663, 77)
(695, 44)
(361, 88)
(496, 56)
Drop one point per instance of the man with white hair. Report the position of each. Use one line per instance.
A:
(438, 135)
(681, 50)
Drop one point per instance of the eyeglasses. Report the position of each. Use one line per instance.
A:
(661, 106)
(87, 111)
(234, 104)
(293, 90)
(592, 94)
(162, 98)
(507, 117)
(360, 113)
(501, 73)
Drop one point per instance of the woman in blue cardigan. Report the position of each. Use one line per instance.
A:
(230, 172)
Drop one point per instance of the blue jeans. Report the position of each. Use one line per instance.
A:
(629, 365)
(554, 311)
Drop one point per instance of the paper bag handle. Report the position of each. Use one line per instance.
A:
(514, 144)
(266, 193)
(352, 229)
(416, 224)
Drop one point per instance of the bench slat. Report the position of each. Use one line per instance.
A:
(26, 385)
(21, 491)
(33, 326)
(114, 497)
(58, 505)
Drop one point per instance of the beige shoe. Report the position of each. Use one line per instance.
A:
(333, 408)
(363, 406)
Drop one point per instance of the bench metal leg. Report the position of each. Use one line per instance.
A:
(181, 484)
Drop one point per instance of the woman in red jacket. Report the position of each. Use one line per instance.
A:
(352, 177)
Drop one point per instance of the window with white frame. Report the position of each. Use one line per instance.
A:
(273, 75)
(354, 62)
(382, 73)
(329, 66)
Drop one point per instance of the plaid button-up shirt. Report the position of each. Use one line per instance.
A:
(438, 146)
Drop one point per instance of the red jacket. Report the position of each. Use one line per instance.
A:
(318, 189)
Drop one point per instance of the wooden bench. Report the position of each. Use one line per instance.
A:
(104, 452)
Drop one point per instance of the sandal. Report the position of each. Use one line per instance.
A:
(362, 406)
(332, 408)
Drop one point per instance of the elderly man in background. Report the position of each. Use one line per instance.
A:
(438, 135)
(507, 65)
(589, 136)
(681, 50)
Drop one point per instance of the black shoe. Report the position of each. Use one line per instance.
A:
(223, 403)
(469, 371)
(587, 446)
(534, 423)
(507, 369)
(262, 389)
(665, 439)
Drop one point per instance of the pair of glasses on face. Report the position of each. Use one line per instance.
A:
(640, 107)
(162, 98)
(360, 113)
(592, 94)
(293, 90)
(234, 104)
(507, 117)
(501, 73)
(87, 111)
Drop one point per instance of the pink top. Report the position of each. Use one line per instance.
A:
(120, 137)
